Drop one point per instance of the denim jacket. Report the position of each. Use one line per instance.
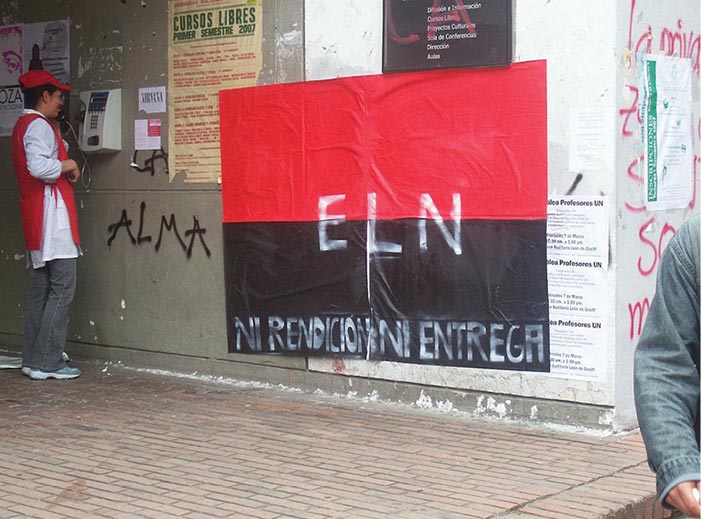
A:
(667, 365)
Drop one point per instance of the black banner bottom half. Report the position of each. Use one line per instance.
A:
(470, 294)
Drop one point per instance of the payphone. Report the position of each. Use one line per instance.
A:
(101, 126)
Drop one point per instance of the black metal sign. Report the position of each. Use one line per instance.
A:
(431, 34)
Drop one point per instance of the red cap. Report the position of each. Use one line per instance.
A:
(35, 78)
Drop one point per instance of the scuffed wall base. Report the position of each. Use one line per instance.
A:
(507, 408)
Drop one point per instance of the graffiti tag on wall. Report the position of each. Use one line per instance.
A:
(653, 234)
(191, 236)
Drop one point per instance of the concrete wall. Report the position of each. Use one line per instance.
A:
(134, 296)
(581, 74)
(165, 308)
(669, 27)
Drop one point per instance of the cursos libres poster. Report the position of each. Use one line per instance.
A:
(394, 217)
(213, 45)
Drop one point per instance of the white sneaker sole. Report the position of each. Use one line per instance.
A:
(44, 375)
(26, 370)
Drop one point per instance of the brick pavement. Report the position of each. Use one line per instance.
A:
(120, 443)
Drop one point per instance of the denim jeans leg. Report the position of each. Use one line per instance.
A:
(37, 295)
(51, 338)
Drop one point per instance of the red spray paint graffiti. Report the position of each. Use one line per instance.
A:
(671, 41)
(637, 312)
(628, 112)
(657, 248)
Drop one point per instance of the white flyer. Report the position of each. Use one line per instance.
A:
(47, 45)
(147, 134)
(152, 99)
(591, 145)
(577, 245)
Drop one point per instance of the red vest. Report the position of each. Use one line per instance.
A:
(31, 189)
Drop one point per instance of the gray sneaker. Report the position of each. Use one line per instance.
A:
(65, 373)
(26, 370)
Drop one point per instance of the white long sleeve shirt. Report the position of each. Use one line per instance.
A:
(42, 161)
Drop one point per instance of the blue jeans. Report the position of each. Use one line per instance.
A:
(51, 290)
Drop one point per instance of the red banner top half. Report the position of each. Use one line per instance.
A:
(468, 143)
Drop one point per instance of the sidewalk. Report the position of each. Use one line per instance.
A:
(120, 443)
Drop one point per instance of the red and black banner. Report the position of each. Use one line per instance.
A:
(397, 217)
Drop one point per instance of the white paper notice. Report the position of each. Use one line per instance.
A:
(577, 263)
(47, 45)
(666, 108)
(147, 134)
(591, 141)
(152, 99)
(11, 102)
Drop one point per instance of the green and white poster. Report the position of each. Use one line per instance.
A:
(666, 110)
